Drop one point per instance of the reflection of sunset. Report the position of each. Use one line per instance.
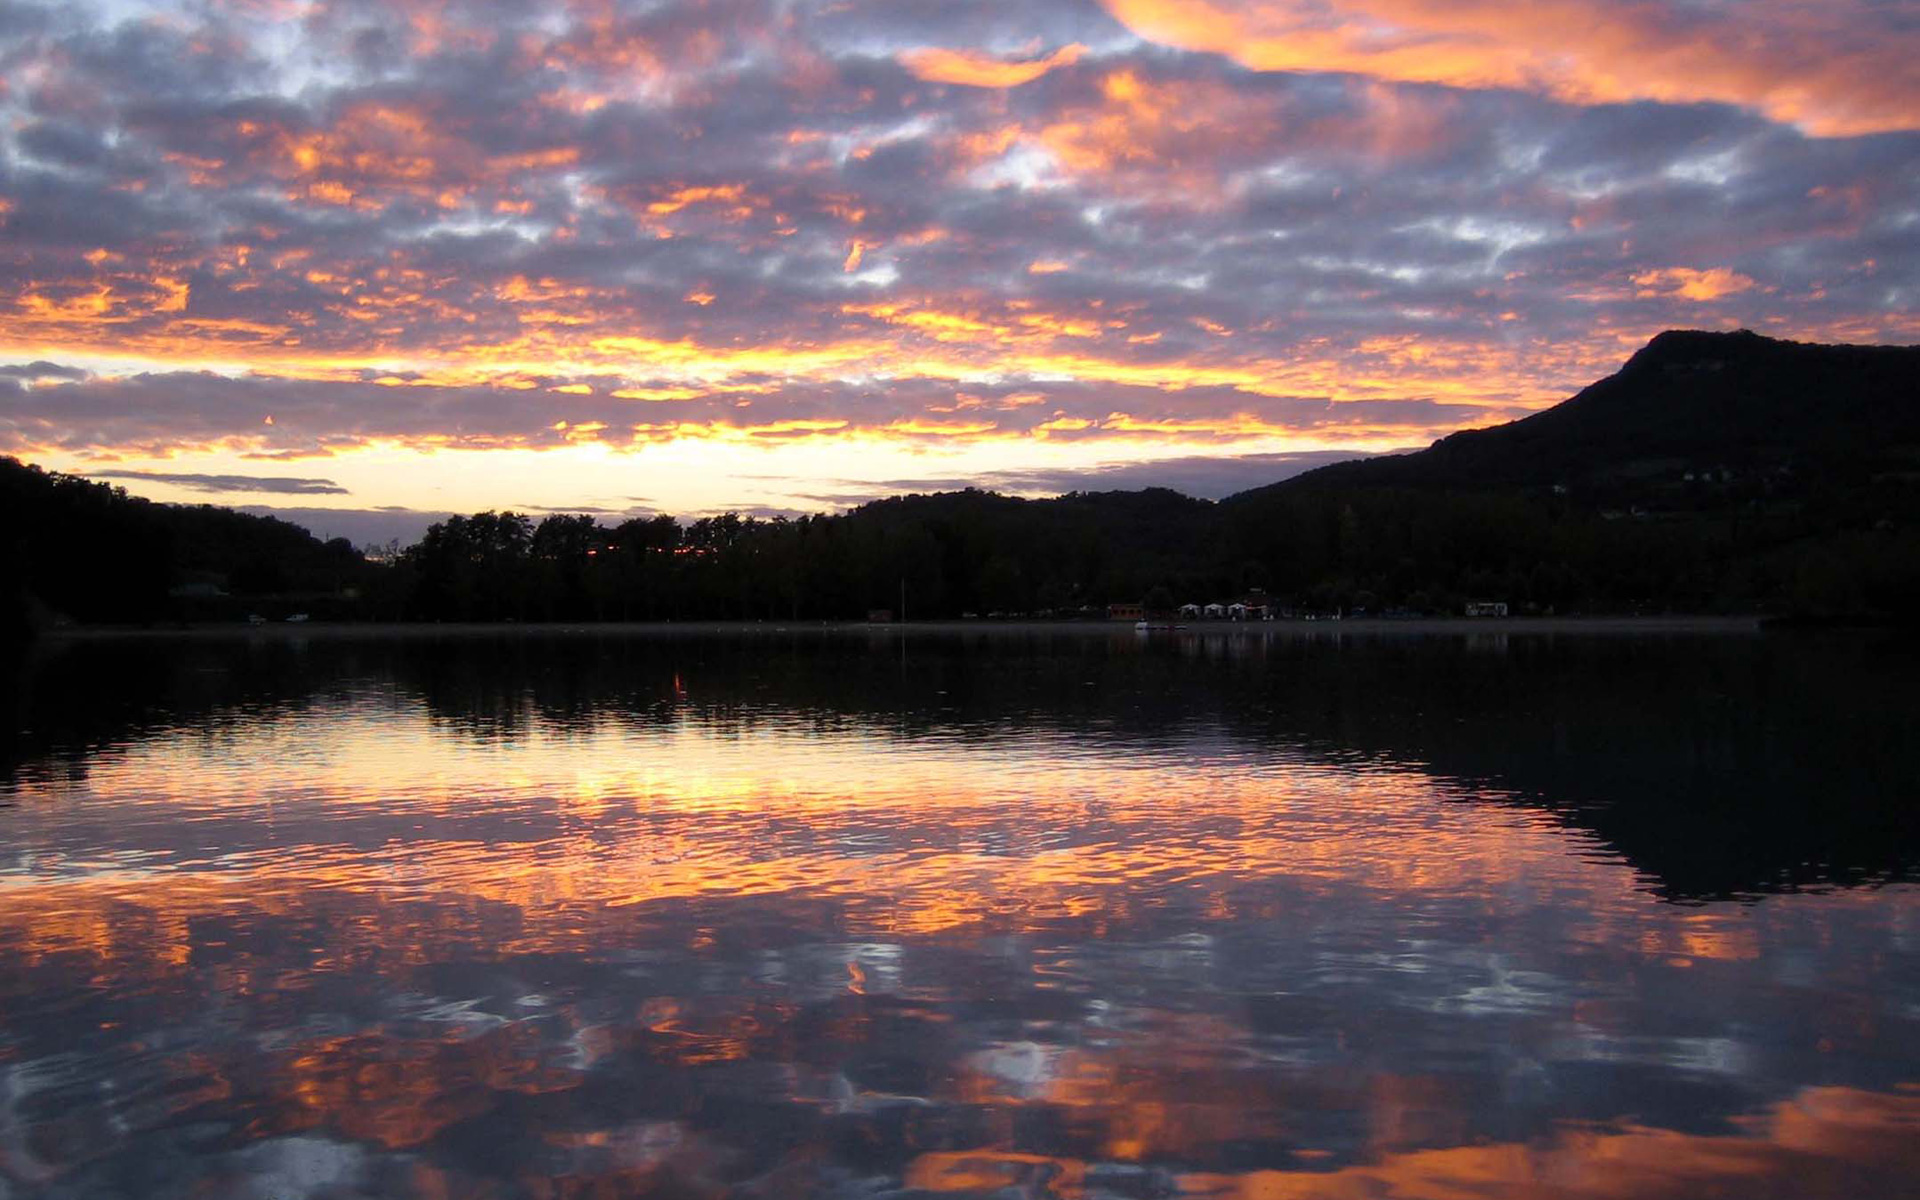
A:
(1804, 1147)
(934, 840)
(908, 837)
(1164, 958)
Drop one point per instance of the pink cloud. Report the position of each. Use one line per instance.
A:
(1835, 69)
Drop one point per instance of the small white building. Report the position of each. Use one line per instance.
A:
(1486, 608)
(1216, 611)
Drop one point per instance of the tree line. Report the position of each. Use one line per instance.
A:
(88, 552)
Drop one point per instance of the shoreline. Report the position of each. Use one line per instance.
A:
(1364, 626)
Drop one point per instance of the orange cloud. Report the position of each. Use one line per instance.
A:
(1817, 66)
(1689, 284)
(969, 69)
(728, 193)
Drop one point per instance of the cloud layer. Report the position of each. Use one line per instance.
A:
(282, 485)
(291, 228)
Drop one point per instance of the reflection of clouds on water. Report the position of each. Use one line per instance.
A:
(818, 956)
(1024, 1069)
(1820, 1144)
(1683, 1055)
(1506, 990)
(294, 1168)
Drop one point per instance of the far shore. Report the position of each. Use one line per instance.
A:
(1319, 629)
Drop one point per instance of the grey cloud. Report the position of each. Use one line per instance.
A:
(277, 484)
(41, 369)
(1206, 477)
(584, 510)
(64, 143)
(765, 512)
(1006, 26)
(361, 526)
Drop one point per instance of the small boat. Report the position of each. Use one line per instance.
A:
(297, 619)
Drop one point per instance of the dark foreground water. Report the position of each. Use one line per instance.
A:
(1068, 916)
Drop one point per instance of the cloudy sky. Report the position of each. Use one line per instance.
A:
(368, 256)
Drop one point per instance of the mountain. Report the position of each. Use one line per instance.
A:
(1689, 401)
(1714, 472)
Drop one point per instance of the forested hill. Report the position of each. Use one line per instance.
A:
(1687, 401)
(85, 551)
(1712, 473)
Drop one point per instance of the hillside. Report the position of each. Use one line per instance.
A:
(1729, 403)
(84, 551)
(1714, 472)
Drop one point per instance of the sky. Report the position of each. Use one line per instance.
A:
(365, 261)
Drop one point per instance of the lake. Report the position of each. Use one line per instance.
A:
(772, 913)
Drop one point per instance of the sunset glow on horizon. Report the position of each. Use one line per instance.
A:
(616, 256)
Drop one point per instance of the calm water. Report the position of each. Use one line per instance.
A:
(1066, 916)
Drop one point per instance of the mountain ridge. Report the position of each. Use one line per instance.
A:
(1739, 398)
